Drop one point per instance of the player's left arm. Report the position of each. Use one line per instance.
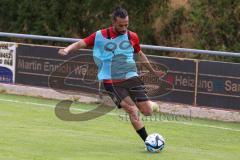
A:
(144, 60)
(142, 57)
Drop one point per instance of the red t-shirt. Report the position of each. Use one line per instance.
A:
(134, 40)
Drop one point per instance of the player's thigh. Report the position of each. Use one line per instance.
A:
(120, 97)
(137, 90)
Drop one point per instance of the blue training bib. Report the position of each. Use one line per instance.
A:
(114, 57)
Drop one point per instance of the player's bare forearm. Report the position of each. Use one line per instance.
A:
(75, 46)
(144, 60)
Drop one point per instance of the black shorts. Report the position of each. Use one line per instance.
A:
(132, 87)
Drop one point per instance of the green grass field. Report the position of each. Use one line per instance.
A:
(31, 131)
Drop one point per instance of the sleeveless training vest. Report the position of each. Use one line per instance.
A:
(114, 57)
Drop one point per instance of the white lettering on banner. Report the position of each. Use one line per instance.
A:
(31, 65)
(187, 81)
(58, 68)
(231, 86)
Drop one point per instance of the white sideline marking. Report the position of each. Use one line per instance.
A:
(204, 125)
(77, 109)
(45, 105)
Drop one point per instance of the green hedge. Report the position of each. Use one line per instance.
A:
(214, 24)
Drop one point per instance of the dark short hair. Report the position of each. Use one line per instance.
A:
(119, 12)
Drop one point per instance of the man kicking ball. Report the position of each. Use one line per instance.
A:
(114, 49)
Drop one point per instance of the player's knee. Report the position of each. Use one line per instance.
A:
(147, 111)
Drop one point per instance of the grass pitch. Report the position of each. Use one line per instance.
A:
(31, 131)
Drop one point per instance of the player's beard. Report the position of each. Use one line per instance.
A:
(120, 32)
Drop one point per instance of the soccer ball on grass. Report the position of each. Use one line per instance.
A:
(154, 143)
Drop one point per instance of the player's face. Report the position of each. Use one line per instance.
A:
(120, 25)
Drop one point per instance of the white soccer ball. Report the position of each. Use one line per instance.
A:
(154, 143)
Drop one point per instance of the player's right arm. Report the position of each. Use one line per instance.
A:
(86, 42)
(75, 46)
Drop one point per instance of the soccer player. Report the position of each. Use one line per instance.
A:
(114, 49)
